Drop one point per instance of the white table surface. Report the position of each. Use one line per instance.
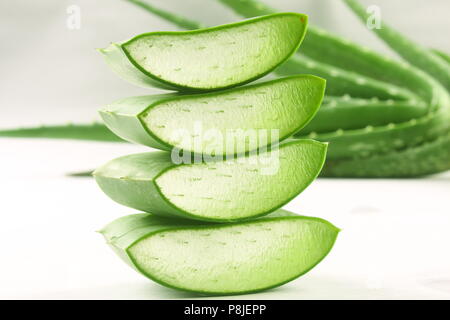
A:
(394, 241)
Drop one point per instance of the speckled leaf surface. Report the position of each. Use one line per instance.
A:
(226, 190)
(208, 59)
(222, 259)
(285, 105)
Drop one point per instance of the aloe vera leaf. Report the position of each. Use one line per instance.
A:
(428, 158)
(349, 113)
(442, 54)
(233, 258)
(412, 52)
(343, 82)
(94, 131)
(330, 49)
(322, 45)
(225, 56)
(371, 140)
(227, 190)
(284, 104)
(333, 50)
(180, 21)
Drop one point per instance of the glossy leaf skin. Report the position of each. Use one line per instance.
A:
(427, 158)
(285, 104)
(341, 82)
(443, 55)
(348, 114)
(339, 52)
(370, 141)
(208, 59)
(221, 191)
(234, 258)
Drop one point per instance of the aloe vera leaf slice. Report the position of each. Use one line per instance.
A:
(94, 131)
(225, 259)
(285, 104)
(349, 113)
(226, 190)
(427, 158)
(412, 52)
(209, 59)
(330, 49)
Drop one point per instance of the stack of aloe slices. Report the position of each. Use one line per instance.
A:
(213, 224)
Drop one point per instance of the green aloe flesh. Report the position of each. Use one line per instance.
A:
(222, 259)
(285, 105)
(227, 190)
(209, 59)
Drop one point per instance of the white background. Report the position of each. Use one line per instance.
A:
(395, 237)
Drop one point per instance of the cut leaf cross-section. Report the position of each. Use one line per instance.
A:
(227, 190)
(209, 59)
(225, 122)
(231, 258)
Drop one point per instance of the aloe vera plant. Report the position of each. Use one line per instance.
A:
(428, 158)
(231, 258)
(285, 104)
(207, 59)
(377, 108)
(362, 139)
(245, 187)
